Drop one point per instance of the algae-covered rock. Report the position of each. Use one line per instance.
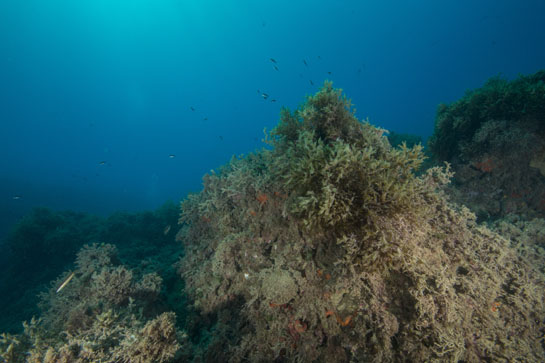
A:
(278, 286)
(494, 138)
(99, 312)
(328, 247)
(538, 161)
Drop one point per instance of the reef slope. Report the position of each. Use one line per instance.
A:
(328, 247)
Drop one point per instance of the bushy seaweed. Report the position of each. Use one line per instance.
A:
(328, 247)
(325, 247)
(45, 242)
(38, 249)
(340, 172)
(499, 99)
(100, 312)
(494, 138)
(396, 139)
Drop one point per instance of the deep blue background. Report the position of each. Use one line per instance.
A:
(91, 81)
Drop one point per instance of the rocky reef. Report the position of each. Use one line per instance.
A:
(328, 247)
(99, 312)
(494, 138)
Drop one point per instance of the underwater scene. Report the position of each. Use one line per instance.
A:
(243, 181)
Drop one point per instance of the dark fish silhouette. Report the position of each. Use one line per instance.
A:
(265, 96)
(311, 83)
(221, 138)
(192, 109)
(273, 60)
(102, 163)
(304, 61)
(172, 156)
(275, 67)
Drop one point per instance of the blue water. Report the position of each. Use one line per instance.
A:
(109, 105)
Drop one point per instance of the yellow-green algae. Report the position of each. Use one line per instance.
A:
(324, 247)
(328, 247)
(103, 315)
(494, 137)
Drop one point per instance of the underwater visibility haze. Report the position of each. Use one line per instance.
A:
(358, 181)
(96, 95)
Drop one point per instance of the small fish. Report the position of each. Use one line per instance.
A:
(16, 197)
(329, 73)
(265, 96)
(273, 100)
(205, 119)
(273, 60)
(275, 68)
(102, 163)
(311, 83)
(65, 282)
(172, 156)
(166, 230)
(192, 108)
(221, 138)
(304, 61)
(320, 58)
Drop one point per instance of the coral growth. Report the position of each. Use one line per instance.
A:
(351, 256)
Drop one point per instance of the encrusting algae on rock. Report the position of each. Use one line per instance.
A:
(328, 247)
(494, 137)
(103, 315)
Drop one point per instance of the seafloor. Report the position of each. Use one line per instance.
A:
(335, 243)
